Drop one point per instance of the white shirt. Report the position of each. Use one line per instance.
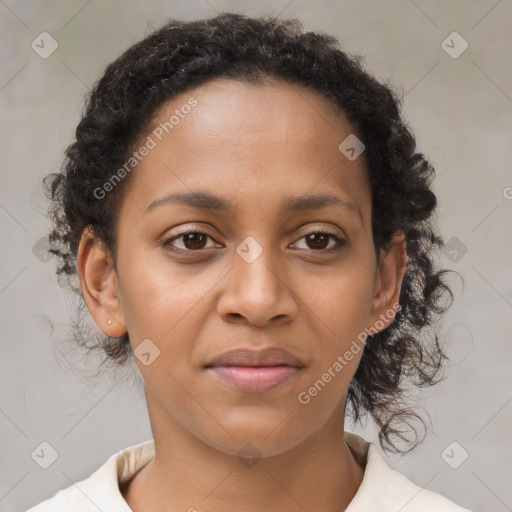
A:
(382, 489)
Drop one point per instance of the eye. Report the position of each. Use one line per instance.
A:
(319, 240)
(192, 241)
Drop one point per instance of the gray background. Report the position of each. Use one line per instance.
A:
(460, 109)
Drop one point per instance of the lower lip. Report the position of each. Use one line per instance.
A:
(255, 379)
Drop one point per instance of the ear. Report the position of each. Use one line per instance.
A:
(388, 282)
(98, 281)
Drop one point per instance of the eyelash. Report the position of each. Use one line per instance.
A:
(340, 242)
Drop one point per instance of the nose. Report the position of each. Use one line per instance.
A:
(258, 292)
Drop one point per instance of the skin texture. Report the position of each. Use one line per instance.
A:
(253, 145)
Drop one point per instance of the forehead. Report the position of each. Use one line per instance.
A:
(256, 141)
(247, 112)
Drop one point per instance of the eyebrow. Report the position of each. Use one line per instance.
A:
(207, 201)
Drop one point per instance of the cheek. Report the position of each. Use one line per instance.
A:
(159, 298)
(341, 312)
(168, 307)
(343, 304)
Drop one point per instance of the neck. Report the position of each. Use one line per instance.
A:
(188, 474)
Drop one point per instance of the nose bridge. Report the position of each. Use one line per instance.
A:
(256, 288)
(255, 266)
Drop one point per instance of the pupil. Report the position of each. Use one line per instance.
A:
(192, 237)
(314, 235)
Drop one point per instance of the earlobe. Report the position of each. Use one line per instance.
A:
(98, 281)
(389, 277)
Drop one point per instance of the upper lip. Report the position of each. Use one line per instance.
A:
(246, 357)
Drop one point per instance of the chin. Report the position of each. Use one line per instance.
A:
(253, 437)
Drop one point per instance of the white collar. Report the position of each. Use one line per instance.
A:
(382, 489)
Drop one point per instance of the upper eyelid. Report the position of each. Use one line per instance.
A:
(304, 230)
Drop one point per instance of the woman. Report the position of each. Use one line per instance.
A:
(247, 217)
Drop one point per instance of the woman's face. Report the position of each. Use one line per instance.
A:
(254, 275)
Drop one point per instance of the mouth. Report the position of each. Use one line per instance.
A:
(250, 371)
(254, 379)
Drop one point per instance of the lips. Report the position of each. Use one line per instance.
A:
(250, 371)
(267, 357)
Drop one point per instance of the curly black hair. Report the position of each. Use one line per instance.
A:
(180, 56)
